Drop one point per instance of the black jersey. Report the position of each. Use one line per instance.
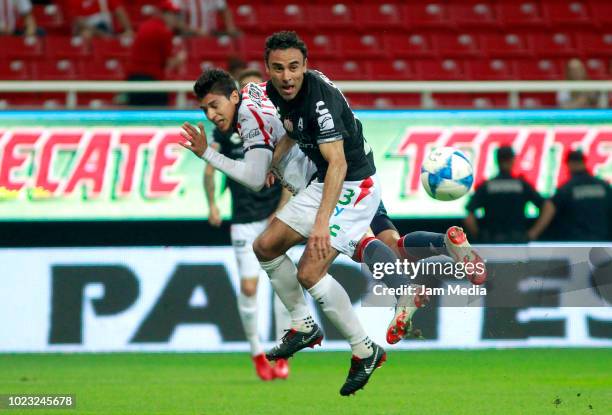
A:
(247, 205)
(504, 198)
(584, 209)
(320, 114)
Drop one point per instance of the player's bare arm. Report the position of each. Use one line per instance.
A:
(283, 146)
(333, 153)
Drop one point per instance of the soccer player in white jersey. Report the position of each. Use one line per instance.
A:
(251, 212)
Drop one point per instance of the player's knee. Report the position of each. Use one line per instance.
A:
(248, 287)
(264, 248)
(307, 275)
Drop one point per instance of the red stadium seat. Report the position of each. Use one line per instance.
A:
(50, 18)
(474, 15)
(321, 46)
(538, 100)
(427, 15)
(397, 69)
(506, 45)
(595, 44)
(540, 69)
(60, 70)
(210, 47)
(17, 47)
(15, 70)
(360, 46)
(469, 101)
(554, 44)
(457, 45)
(104, 70)
(252, 46)
(491, 70)
(106, 48)
(563, 13)
(513, 14)
(597, 69)
(279, 17)
(344, 70)
(416, 45)
(602, 13)
(195, 68)
(246, 17)
(337, 17)
(376, 16)
(440, 70)
(67, 47)
(96, 100)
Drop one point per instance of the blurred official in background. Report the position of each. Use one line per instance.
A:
(582, 208)
(503, 199)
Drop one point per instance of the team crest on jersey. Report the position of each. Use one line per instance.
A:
(288, 125)
(235, 138)
(255, 94)
(301, 124)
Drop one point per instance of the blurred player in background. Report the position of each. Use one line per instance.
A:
(251, 212)
(503, 198)
(11, 12)
(95, 17)
(200, 17)
(583, 206)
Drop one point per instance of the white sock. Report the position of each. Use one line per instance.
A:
(283, 277)
(282, 319)
(247, 308)
(337, 306)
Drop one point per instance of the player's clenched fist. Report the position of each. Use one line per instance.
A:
(196, 138)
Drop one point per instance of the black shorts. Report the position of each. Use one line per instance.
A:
(381, 221)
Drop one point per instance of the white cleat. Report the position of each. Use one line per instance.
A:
(460, 249)
(401, 326)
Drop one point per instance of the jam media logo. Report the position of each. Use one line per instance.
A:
(540, 152)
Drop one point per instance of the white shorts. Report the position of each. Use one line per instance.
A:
(352, 215)
(243, 235)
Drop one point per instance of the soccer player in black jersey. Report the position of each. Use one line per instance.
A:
(316, 114)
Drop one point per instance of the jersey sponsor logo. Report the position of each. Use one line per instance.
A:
(325, 120)
(252, 134)
(288, 125)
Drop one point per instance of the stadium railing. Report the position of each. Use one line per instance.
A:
(425, 88)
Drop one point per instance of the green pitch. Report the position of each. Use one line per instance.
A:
(504, 382)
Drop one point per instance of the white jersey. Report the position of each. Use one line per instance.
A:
(259, 125)
(260, 129)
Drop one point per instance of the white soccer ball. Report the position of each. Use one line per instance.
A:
(446, 174)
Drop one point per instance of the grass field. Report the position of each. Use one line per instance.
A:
(500, 382)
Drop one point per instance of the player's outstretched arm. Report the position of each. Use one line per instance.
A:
(332, 186)
(250, 172)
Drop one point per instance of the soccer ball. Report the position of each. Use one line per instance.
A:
(446, 174)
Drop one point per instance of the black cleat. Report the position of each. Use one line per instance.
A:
(293, 341)
(362, 369)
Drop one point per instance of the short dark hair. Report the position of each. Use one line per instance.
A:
(284, 40)
(247, 73)
(214, 80)
(505, 153)
(575, 156)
